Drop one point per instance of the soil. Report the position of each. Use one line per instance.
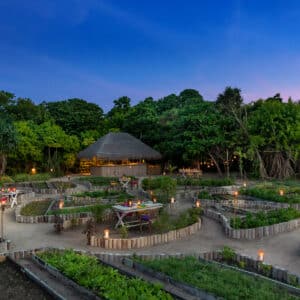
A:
(16, 286)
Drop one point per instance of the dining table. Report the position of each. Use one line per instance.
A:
(122, 211)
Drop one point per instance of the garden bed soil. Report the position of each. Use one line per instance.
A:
(16, 286)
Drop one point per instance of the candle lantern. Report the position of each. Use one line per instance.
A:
(106, 233)
(33, 171)
(244, 184)
(198, 203)
(172, 200)
(235, 193)
(61, 204)
(129, 203)
(154, 200)
(281, 192)
(139, 202)
(260, 255)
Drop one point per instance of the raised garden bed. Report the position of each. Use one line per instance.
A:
(204, 182)
(102, 280)
(216, 279)
(15, 285)
(253, 220)
(35, 208)
(99, 180)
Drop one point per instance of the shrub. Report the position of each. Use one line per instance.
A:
(164, 187)
(228, 254)
(99, 180)
(5, 179)
(205, 195)
(123, 232)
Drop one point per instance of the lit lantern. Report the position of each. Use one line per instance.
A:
(260, 255)
(61, 204)
(198, 203)
(3, 201)
(33, 171)
(139, 202)
(129, 203)
(106, 233)
(244, 184)
(172, 200)
(281, 192)
(235, 193)
(154, 200)
(151, 193)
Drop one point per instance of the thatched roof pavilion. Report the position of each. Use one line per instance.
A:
(117, 154)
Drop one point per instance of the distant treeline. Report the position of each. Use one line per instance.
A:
(261, 138)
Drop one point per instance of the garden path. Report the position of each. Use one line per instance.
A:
(282, 250)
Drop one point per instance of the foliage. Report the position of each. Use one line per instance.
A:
(271, 193)
(97, 209)
(163, 187)
(123, 232)
(5, 179)
(98, 212)
(205, 195)
(35, 208)
(35, 177)
(164, 223)
(102, 194)
(228, 254)
(222, 282)
(265, 218)
(205, 182)
(105, 281)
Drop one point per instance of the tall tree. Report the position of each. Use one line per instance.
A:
(8, 140)
(76, 115)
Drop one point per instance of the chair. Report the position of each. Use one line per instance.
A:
(146, 220)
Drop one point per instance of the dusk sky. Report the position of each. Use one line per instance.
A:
(101, 50)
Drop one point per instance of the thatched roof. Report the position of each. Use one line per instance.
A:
(118, 146)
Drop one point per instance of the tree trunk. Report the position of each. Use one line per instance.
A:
(262, 170)
(216, 163)
(3, 164)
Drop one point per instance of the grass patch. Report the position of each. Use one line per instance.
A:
(105, 281)
(265, 218)
(222, 282)
(35, 208)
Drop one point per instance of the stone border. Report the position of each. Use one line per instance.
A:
(251, 233)
(144, 241)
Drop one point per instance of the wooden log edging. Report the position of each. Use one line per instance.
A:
(144, 241)
(252, 233)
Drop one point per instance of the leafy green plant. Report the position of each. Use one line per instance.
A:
(164, 187)
(29, 177)
(80, 209)
(5, 179)
(205, 195)
(265, 218)
(241, 264)
(228, 254)
(222, 282)
(265, 269)
(123, 232)
(105, 281)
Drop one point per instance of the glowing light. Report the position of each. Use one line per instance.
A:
(260, 255)
(106, 233)
(198, 203)
(33, 171)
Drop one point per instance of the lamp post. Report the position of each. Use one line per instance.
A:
(3, 203)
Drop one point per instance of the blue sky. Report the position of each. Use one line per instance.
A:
(101, 50)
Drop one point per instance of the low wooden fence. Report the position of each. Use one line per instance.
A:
(251, 233)
(144, 241)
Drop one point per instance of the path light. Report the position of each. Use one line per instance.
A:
(260, 255)
(198, 203)
(61, 204)
(281, 192)
(33, 171)
(172, 200)
(106, 233)
(154, 200)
